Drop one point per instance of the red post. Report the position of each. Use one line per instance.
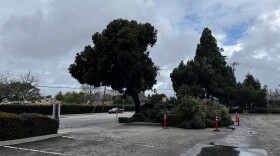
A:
(238, 120)
(236, 117)
(164, 121)
(217, 124)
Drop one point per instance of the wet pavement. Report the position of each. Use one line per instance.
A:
(219, 150)
(240, 141)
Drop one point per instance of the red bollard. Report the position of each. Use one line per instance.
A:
(238, 120)
(217, 124)
(164, 121)
(236, 117)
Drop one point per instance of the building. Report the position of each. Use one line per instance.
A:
(273, 99)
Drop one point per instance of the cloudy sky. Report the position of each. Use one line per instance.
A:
(43, 36)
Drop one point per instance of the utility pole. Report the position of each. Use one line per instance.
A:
(233, 70)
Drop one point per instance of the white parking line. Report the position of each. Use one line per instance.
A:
(33, 150)
(69, 137)
(144, 145)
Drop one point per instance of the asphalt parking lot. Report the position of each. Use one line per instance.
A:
(257, 135)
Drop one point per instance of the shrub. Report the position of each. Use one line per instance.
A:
(157, 108)
(214, 109)
(171, 118)
(259, 110)
(37, 124)
(275, 110)
(138, 117)
(124, 120)
(25, 125)
(193, 113)
(9, 126)
(190, 113)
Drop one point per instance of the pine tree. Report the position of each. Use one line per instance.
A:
(208, 74)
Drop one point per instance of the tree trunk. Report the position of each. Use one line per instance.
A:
(136, 101)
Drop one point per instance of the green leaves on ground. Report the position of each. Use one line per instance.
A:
(192, 113)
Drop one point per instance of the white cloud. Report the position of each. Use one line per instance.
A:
(43, 36)
(260, 49)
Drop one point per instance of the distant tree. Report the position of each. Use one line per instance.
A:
(119, 99)
(250, 81)
(250, 92)
(88, 89)
(59, 96)
(119, 59)
(208, 75)
(73, 97)
(28, 87)
(4, 91)
(5, 88)
(156, 98)
(19, 89)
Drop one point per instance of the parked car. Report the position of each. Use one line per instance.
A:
(115, 110)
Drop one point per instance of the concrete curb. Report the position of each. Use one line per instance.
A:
(31, 139)
(145, 123)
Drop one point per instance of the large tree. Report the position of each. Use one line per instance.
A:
(119, 59)
(208, 73)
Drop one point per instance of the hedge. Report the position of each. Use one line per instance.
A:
(25, 125)
(275, 110)
(238, 110)
(124, 120)
(259, 110)
(65, 109)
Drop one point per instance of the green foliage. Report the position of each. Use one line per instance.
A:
(208, 74)
(10, 126)
(18, 109)
(37, 124)
(59, 96)
(259, 110)
(214, 109)
(275, 110)
(26, 125)
(238, 110)
(250, 92)
(193, 113)
(157, 112)
(171, 118)
(119, 59)
(124, 120)
(119, 99)
(138, 117)
(73, 97)
(156, 99)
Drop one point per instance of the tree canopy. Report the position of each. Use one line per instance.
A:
(119, 59)
(208, 73)
(251, 93)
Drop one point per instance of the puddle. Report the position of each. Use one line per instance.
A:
(218, 150)
(251, 132)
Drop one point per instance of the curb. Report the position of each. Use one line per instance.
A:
(144, 123)
(31, 139)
